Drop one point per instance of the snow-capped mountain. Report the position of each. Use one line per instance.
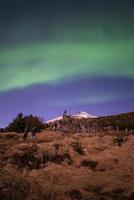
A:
(83, 115)
(79, 115)
(55, 119)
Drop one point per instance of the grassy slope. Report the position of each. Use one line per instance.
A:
(61, 166)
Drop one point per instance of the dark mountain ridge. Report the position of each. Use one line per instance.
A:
(124, 122)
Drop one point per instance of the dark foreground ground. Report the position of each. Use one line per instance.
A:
(60, 166)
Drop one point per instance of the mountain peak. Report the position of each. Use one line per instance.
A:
(78, 115)
(83, 114)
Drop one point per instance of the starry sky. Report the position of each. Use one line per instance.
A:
(73, 54)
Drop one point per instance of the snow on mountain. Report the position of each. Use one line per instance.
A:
(83, 115)
(79, 115)
(55, 119)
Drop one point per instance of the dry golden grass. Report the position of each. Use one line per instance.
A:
(57, 166)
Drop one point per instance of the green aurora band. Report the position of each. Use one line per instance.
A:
(53, 62)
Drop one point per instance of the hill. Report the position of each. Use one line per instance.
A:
(59, 166)
(123, 122)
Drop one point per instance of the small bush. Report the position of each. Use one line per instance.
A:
(57, 158)
(119, 140)
(89, 163)
(77, 147)
(27, 158)
(14, 189)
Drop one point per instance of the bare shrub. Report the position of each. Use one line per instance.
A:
(77, 147)
(89, 163)
(119, 140)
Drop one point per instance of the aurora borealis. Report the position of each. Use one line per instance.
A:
(74, 55)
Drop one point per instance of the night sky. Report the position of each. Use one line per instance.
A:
(56, 54)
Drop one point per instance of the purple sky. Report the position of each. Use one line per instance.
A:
(98, 96)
